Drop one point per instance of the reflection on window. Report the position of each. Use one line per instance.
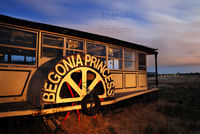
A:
(96, 50)
(129, 65)
(52, 40)
(128, 55)
(10, 36)
(52, 52)
(129, 60)
(75, 44)
(30, 59)
(17, 56)
(68, 52)
(115, 52)
(114, 64)
(142, 61)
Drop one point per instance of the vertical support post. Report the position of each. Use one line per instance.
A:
(156, 69)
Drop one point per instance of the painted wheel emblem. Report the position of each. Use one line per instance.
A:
(93, 74)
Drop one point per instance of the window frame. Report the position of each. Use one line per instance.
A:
(75, 50)
(97, 43)
(133, 60)
(49, 46)
(39, 46)
(22, 29)
(145, 55)
(64, 47)
(113, 58)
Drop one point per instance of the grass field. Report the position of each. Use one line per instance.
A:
(177, 111)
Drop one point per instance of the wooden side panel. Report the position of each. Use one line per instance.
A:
(131, 80)
(118, 80)
(12, 82)
(142, 80)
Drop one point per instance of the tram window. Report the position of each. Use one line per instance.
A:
(96, 50)
(74, 44)
(115, 52)
(114, 64)
(129, 60)
(4, 35)
(129, 65)
(52, 46)
(17, 56)
(128, 55)
(52, 40)
(22, 38)
(52, 52)
(142, 61)
(114, 58)
(15, 37)
(103, 59)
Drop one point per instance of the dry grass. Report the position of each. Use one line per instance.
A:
(137, 118)
(176, 112)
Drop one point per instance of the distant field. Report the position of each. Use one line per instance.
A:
(177, 111)
(180, 103)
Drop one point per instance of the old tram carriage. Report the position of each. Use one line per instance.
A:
(46, 69)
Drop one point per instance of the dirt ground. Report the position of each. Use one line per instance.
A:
(176, 111)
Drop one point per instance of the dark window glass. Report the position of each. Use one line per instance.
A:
(5, 35)
(52, 52)
(69, 52)
(52, 40)
(114, 64)
(128, 55)
(102, 59)
(96, 50)
(75, 44)
(142, 61)
(129, 65)
(17, 56)
(115, 52)
(10, 36)
(25, 39)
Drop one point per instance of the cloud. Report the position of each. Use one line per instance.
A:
(172, 26)
(174, 30)
(178, 40)
(48, 7)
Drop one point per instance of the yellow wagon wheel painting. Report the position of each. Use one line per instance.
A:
(82, 74)
(82, 81)
(81, 84)
(84, 85)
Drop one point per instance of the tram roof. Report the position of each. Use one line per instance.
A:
(76, 33)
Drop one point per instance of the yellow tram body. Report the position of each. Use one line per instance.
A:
(39, 61)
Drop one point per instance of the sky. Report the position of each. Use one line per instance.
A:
(171, 26)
